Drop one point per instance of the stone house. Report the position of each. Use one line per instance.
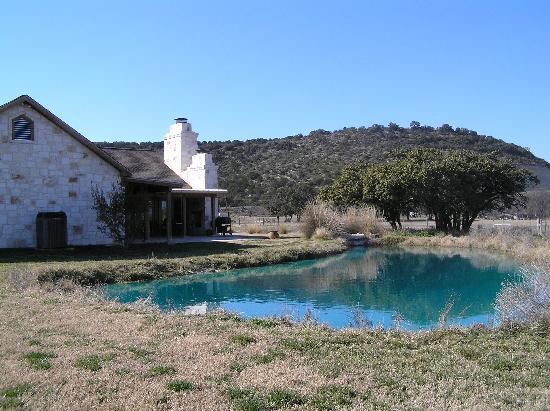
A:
(47, 166)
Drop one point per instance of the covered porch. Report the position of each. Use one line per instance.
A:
(167, 214)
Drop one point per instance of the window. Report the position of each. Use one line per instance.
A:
(22, 128)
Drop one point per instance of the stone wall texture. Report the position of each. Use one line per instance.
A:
(52, 173)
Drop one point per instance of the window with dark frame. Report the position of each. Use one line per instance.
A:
(22, 128)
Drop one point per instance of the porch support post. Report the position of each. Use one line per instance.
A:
(147, 217)
(184, 202)
(212, 214)
(169, 216)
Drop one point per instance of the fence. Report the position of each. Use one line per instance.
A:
(543, 227)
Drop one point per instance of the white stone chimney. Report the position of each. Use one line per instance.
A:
(180, 154)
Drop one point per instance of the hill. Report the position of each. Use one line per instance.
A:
(254, 171)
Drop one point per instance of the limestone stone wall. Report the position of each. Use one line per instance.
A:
(202, 173)
(52, 173)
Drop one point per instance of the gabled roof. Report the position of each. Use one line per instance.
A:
(146, 166)
(65, 127)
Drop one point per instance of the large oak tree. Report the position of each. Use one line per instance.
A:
(454, 186)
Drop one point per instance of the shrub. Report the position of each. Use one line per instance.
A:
(255, 229)
(360, 220)
(321, 233)
(283, 229)
(526, 302)
(318, 214)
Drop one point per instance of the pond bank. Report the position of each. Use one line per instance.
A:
(148, 262)
(525, 248)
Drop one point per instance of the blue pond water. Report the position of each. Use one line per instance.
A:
(379, 286)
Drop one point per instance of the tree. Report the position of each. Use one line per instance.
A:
(112, 211)
(538, 204)
(347, 189)
(446, 128)
(414, 124)
(454, 186)
(289, 200)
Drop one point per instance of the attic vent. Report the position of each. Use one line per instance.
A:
(22, 128)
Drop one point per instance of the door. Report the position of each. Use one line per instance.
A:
(195, 216)
(178, 216)
(159, 217)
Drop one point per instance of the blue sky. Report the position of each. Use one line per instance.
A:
(122, 70)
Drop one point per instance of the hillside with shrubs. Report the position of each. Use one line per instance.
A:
(258, 171)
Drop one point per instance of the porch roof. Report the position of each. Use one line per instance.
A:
(206, 191)
(146, 166)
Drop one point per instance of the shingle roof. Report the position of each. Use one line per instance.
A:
(146, 166)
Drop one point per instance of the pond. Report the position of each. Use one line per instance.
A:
(387, 287)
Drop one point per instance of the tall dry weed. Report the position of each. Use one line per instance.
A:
(360, 220)
(318, 214)
(526, 302)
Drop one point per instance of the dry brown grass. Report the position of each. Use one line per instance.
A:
(524, 246)
(321, 233)
(360, 220)
(64, 347)
(320, 215)
(526, 302)
(106, 355)
(283, 228)
(255, 229)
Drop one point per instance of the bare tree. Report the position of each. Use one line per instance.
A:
(538, 204)
(112, 212)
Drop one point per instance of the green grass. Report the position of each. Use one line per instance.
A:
(39, 360)
(332, 397)
(270, 355)
(284, 398)
(159, 371)
(90, 363)
(180, 385)
(139, 352)
(243, 339)
(11, 397)
(247, 399)
(265, 322)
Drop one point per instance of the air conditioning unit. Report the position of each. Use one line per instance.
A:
(51, 230)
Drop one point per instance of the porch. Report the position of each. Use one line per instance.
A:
(166, 214)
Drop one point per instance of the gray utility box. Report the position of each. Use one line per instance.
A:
(51, 230)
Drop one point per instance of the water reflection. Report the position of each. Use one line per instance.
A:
(377, 282)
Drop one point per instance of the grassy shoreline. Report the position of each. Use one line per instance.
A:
(97, 266)
(525, 248)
